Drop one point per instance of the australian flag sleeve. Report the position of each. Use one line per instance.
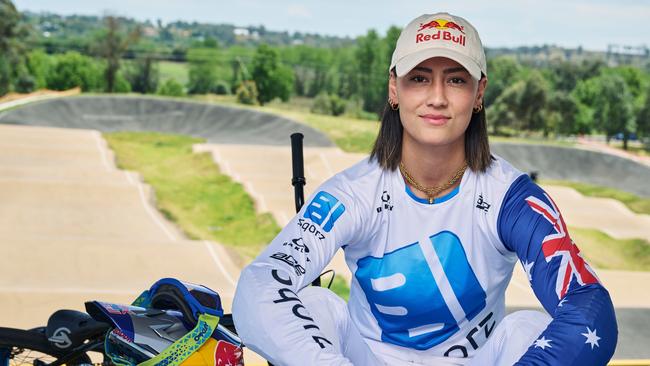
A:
(583, 330)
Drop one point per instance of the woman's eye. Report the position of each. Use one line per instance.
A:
(418, 79)
(457, 80)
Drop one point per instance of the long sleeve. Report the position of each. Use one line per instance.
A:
(268, 313)
(583, 330)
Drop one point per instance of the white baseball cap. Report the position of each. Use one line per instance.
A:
(439, 35)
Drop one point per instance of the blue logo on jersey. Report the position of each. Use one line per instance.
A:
(324, 210)
(411, 308)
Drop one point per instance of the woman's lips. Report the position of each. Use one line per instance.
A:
(435, 119)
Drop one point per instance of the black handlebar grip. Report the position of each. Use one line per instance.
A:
(298, 180)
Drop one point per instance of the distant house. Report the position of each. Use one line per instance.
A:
(241, 32)
(245, 33)
(149, 31)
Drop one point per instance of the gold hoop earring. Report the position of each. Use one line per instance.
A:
(478, 109)
(393, 106)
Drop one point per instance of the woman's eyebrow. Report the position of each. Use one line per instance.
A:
(453, 70)
(423, 69)
(450, 70)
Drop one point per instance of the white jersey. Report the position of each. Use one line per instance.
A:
(427, 278)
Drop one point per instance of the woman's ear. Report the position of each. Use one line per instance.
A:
(392, 88)
(482, 84)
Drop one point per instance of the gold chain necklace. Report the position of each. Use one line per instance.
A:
(432, 192)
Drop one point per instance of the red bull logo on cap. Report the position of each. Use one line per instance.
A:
(443, 26)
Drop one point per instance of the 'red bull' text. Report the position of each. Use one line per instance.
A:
(440, 35)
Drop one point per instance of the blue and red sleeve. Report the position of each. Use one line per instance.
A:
(583, 330)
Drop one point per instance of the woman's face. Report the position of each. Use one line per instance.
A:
(436, 100)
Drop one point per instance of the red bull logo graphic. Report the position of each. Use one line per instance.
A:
(227, 354)
(443, 33)
(441, 24)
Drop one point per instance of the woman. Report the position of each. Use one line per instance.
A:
(432, 226)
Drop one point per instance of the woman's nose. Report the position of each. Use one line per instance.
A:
(436, 94)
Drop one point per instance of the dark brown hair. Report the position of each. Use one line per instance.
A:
(388, 145)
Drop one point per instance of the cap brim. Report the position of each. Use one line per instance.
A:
(406, 64)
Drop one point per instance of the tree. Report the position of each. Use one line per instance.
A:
(564, 75)
(311, 67)
(532, 102)
(637, 83)
(392, 34)
(11, 46)
(522, 104)
(344, 75)
(5, 75)
(273, 80)
(202, 70)
(143, 75)
(9, 18)
(610, 104)
(643, 118)
(504, 72)
(372, 68)
(39, 65)
(562, 112)
(74, 70)
(112, 45)
(501, 112)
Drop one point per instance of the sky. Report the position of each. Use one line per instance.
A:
(592, 24)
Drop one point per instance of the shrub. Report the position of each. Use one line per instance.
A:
(39, 64)
(121, 84)
(25, 83)
(337, 105)
(247, 93)
(73, 69)
(221, 87)
(171, 88)
(354, 108)
(321, 104)
(328, 104)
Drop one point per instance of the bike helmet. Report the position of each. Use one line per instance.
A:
(172, 323)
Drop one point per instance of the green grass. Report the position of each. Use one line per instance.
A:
(349, 134)
(173, 70)
(191, 191)
(603, 251)
(633, 202)
(340, 287)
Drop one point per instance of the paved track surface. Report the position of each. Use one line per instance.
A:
(73, 228)
(581, 165)
(218, 124)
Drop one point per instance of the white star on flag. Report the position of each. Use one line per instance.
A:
(592, 338)
(528, 266)
(543, 343)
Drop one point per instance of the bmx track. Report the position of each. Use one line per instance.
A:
(75, 228)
